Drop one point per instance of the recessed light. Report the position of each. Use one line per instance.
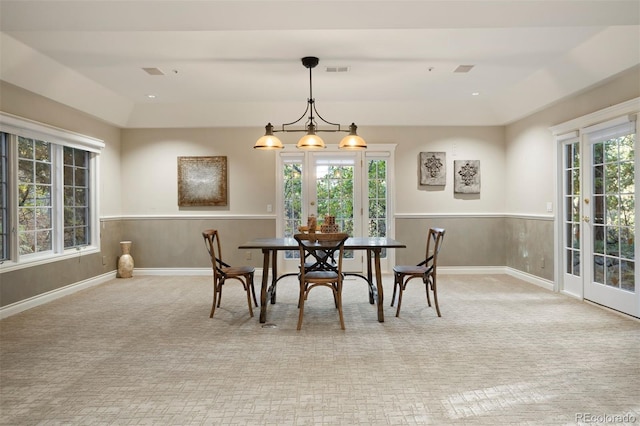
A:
(151, 96)
(463, 68)
(475, 94)
(153, 71)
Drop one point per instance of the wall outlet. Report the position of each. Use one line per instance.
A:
(269, 208)
(248, 255)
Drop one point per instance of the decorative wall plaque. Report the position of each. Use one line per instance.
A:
(432, 168)
(202, 181)
(466, 176)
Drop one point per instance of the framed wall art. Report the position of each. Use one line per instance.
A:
(202, 181)
(466, 176)
(433, 168)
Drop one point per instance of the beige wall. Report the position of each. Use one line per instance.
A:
(530, 147)
(149, 170)
(505, 225)
(459, 143)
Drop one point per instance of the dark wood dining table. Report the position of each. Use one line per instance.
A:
(270, 247)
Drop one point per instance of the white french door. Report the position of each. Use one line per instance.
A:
(609, 218)
(352, 186)
(598, 215)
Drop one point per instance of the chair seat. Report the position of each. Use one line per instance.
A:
(410, 269)
(238, 270)
(320, 275)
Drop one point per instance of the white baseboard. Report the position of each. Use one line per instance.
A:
(172, 271)
(540, 282)
(466, 270)
(41, 299)
(485, 270)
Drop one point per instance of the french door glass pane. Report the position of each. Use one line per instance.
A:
(292, 199)
(334, 192)
(572, 207)
(614, 207)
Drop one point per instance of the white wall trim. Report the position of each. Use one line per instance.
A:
(472, 215)
(33, 129)
(273, 216)
(629, 107)
(41, 299)
(172, 271)
(215, 216)
(532, 279)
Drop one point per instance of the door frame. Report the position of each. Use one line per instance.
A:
(373, 151)
(625, 111)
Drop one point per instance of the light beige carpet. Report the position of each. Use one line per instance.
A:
(144, 351)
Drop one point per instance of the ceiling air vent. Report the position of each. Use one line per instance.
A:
(463, 68)
(337, 69)
(153, 71)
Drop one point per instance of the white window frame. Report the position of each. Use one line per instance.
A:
(19, 126)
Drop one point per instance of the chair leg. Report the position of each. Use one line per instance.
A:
(253, 291)
(395, 287)
(426, 287)
(213, 305)
(402, 287)
(247, 287)
(338, 296)
(435, 294)
(301, 300)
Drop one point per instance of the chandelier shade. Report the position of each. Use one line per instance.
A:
(352, 140)
(311, 140)
(269, 140)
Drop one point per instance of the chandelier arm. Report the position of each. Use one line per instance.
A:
(328, 122)
(294, 122)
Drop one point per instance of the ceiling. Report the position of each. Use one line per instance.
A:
(237, 63)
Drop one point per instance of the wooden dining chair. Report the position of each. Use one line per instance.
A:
(223, 272)
(321, 266)
(426, 270)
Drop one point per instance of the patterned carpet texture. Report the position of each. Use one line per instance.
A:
(143, 351)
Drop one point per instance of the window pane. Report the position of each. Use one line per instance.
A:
(76, 212)
(42, 151)
(4, 202)
(68, 175)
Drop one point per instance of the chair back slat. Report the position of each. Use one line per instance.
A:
(435, 238)
(322, 250)
(212, 243)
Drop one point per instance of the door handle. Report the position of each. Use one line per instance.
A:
(586, 219)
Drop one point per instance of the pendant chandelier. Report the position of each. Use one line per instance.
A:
(311, 140)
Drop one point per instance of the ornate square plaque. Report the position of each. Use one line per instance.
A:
(202, 181)
(432, 168)
(466, 176)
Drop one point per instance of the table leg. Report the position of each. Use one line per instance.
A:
(372, 291)
(274, 276)
(265, 284)
(376, 254)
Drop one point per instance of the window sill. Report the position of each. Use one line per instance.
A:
(36, 260)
